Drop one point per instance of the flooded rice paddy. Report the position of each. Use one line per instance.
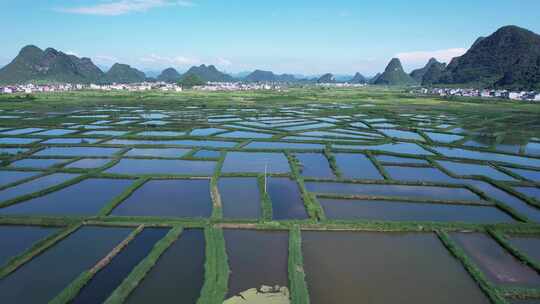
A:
(179, 274)
(372, 203)
(240, 197)
(358, 267)
(256, 258)
(20, 238)
(108, 278)
(168, 198)
(42, 278)
(498, 265)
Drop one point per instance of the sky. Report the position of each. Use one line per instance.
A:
(285, 36)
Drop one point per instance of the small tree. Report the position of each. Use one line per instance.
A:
(190, 80)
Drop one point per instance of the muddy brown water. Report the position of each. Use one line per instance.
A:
(256, 258)
(499, 266)
(370, 267)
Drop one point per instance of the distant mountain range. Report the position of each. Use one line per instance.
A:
(509, 58)
(268, 76)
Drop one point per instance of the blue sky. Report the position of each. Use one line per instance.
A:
(294, 36)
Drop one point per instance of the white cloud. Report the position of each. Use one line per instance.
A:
(161, 61)
(73, 53)
(121, 7)
(223, 62)
(105, 60)
(424, 56)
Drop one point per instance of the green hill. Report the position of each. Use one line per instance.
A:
(35, 65)
(169, 75)
(433, 74)
(123, 73)
(358, 78)
(373, 79)
(261, 76)
(394, 75)
(208, 73)
(327, 78)
(268, 76)
(510, 57)
(418, 74)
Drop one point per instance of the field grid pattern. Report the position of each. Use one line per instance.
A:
(262, 195)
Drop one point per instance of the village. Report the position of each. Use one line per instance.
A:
(260, 86)
(136, 87)
(485, 93)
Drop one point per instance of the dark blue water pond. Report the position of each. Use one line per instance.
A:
(356, 166)
(175, 198)
(42, 278)
(163, 167)
(240, 197)
(84, 198)
(8, 177)
(315, 165)
(429, 192)
(16, 239)
(178, 275)
(35, 185)
(106, 280)
(407, 211)
(286, 199)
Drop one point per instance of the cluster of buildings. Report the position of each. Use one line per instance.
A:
(485, 93)
(342, 85)
(66, 87)
(35, 88)
(138, 87)
(238, 86)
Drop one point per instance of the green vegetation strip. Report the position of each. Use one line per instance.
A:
(299, 290)
(332, 161)
(520, 292)
(312, 207)
(473, 270)
(139, 272)
(216, 268)
(217, 210)
(35, 250)
(71, 291)
(266, 203)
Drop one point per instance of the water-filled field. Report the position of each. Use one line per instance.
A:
(321, 202)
